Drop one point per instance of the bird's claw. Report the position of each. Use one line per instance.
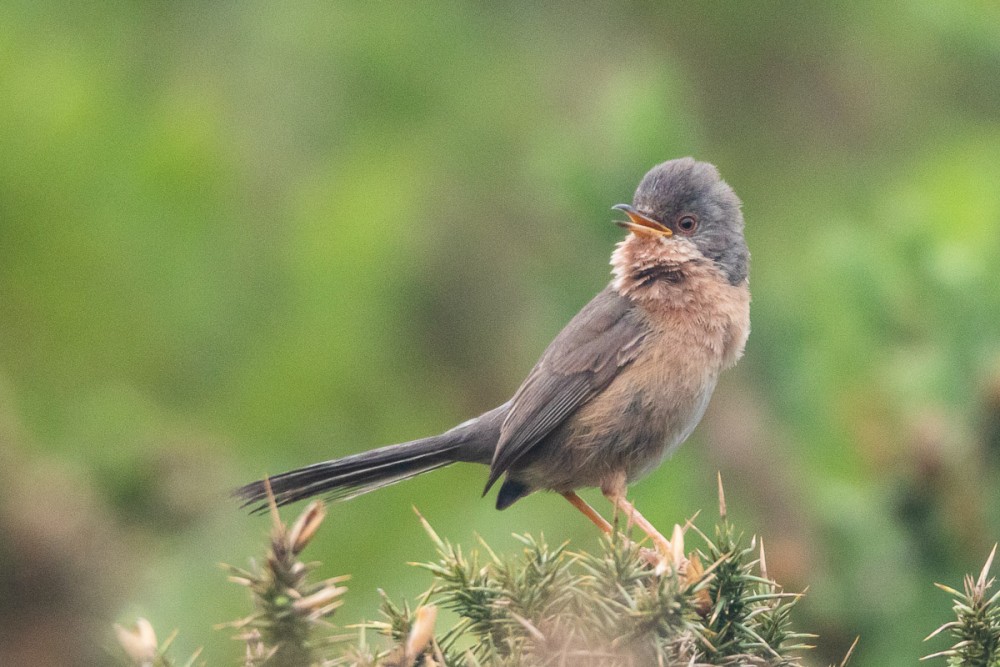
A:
(651, 556)
(668, 555)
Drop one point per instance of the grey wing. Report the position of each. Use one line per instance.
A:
(583, 359)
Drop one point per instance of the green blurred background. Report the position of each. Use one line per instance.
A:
(237, 238)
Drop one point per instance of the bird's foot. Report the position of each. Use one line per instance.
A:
(652, 557)
(665, 556)
(668, 556)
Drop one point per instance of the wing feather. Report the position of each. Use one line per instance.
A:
(580, 363)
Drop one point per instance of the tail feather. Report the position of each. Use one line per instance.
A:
(351, 476)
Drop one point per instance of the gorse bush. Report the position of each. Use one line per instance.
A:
(622, 606)
(976, 628)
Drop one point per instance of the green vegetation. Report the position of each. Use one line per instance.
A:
(237, 238)
(976, 628)
(624, 606)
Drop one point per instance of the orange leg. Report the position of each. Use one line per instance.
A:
(634, 517)
(653, 556)
(588, 511)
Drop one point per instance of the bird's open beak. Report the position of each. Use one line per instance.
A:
(639, 224)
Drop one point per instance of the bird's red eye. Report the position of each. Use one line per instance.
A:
(686, 224)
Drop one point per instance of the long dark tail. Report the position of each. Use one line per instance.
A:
(351, 476)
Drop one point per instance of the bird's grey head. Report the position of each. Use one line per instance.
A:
(691, 200)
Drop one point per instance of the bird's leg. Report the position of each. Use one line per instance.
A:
(616, 495)
(588, 511)
(652, 556)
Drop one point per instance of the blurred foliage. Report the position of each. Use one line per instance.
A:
(238, 237)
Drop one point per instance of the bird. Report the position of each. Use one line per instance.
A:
(618, 389)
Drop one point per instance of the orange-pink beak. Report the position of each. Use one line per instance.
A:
(641, 224)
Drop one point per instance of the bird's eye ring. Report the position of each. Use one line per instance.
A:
(687, 224)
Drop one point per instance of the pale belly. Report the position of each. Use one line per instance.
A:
(626, 431)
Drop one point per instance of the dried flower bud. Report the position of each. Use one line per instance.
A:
(692, 575)
(421, 633)
(256, 651)
(305, 526)
(318, 600)
(677, 547)
(139, 643)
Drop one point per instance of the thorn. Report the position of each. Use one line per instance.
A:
(939, 654)
(317, 601)
(438, 542)
(850, 651)
(941, 629)
(438, 655)
(530, 627)
(722, 496)
(981, 583)
(272, 504)
(763, 561)
(948, 589)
